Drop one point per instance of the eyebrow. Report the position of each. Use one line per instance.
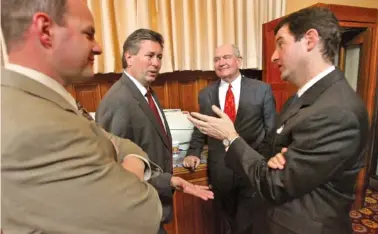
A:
(279, 38)
(89, 29)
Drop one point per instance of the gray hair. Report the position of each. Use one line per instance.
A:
(16, 16)
(132, 43)
(236, 51)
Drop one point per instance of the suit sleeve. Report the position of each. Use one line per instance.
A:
(118, 121)
(321, 148)
(269, 111)
(269, 120)
(76, 167)
(198, 139)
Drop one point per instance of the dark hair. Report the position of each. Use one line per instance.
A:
(16, 16)
(318, 18)
(132, 43)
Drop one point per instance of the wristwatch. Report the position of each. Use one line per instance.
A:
(227, 142)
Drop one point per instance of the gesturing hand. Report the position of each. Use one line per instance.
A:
(219, 128)
(200, 191)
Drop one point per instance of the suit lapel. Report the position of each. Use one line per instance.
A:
(167, 137)
(214, 97)
(28, 85)
(142, 102)
(310, 95)
(244, 95)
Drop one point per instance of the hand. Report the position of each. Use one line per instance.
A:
(200, 191)
(219, 128)
(278, 161)
(134, 165)
(191, 162)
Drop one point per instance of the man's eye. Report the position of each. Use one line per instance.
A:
(90, 36)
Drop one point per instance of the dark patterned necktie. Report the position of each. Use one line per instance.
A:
(155, 110)
(83, 111)
(229, 105)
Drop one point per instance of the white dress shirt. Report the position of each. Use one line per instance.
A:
(143, 90)
(223, 87)
(43, 79)
(311, 82)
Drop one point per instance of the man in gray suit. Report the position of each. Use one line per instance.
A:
(320, 139)
(59, 171)
(251, 105)
(130, 109)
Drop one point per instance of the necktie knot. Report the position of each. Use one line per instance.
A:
(148, 94)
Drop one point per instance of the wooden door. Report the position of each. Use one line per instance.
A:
(282, 90)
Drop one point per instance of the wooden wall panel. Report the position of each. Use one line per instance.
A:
(89, 95)
(175, 90)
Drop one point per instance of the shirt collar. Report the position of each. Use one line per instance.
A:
(141, 88)
(235, 83)
(43, 79)
(310, 83)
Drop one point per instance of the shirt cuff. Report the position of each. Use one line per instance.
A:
(147, 168)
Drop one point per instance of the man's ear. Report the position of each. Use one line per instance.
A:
(312, 39)
(240, 62)
(42, 25)
(128, 58)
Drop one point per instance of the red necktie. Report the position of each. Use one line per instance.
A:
(229, 105)
(154, 109)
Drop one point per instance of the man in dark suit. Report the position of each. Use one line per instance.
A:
(251, 105)
(320, 139)
(131, 110)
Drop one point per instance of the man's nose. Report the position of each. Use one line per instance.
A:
(97, 50)
(274, 56)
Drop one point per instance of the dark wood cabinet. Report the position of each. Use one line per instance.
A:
(191, 214)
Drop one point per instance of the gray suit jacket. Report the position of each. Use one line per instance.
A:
(125, 112)
(255, 120)
(326, 132)
(59, 171)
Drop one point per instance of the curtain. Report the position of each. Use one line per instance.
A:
(192, 29)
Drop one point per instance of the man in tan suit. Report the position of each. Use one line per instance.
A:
(59, 171)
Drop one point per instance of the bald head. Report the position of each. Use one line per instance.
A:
(227, 62)
(54, 37)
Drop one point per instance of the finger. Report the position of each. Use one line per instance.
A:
(204, 118)
(277, 163)
(281, 159)
(218, 111)
(202, 187)
(185, 163)
(196, 122)
(283, 150)
(197, 163)
(272, 165)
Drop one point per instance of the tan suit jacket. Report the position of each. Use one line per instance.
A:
(59, 170)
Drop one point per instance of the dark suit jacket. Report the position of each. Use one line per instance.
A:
(255, 119)
(125, 112)
(325, 132)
